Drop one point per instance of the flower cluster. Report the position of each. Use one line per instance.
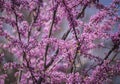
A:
(52, 43)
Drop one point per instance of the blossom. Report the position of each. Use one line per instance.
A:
(50, 38)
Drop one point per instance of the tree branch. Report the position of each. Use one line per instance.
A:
(47, 46)
(50, 32)
(82, 11)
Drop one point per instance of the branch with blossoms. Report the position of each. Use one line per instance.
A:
(52, 42)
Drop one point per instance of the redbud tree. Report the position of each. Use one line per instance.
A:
(51, 43)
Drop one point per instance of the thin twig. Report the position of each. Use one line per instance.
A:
(47, 46)
(82, 12)
(57, 51)
(35, 19)
(50, 32)
(16, 19)
(28, 66)
(114, 57)
(75, 33)
(106, 57)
